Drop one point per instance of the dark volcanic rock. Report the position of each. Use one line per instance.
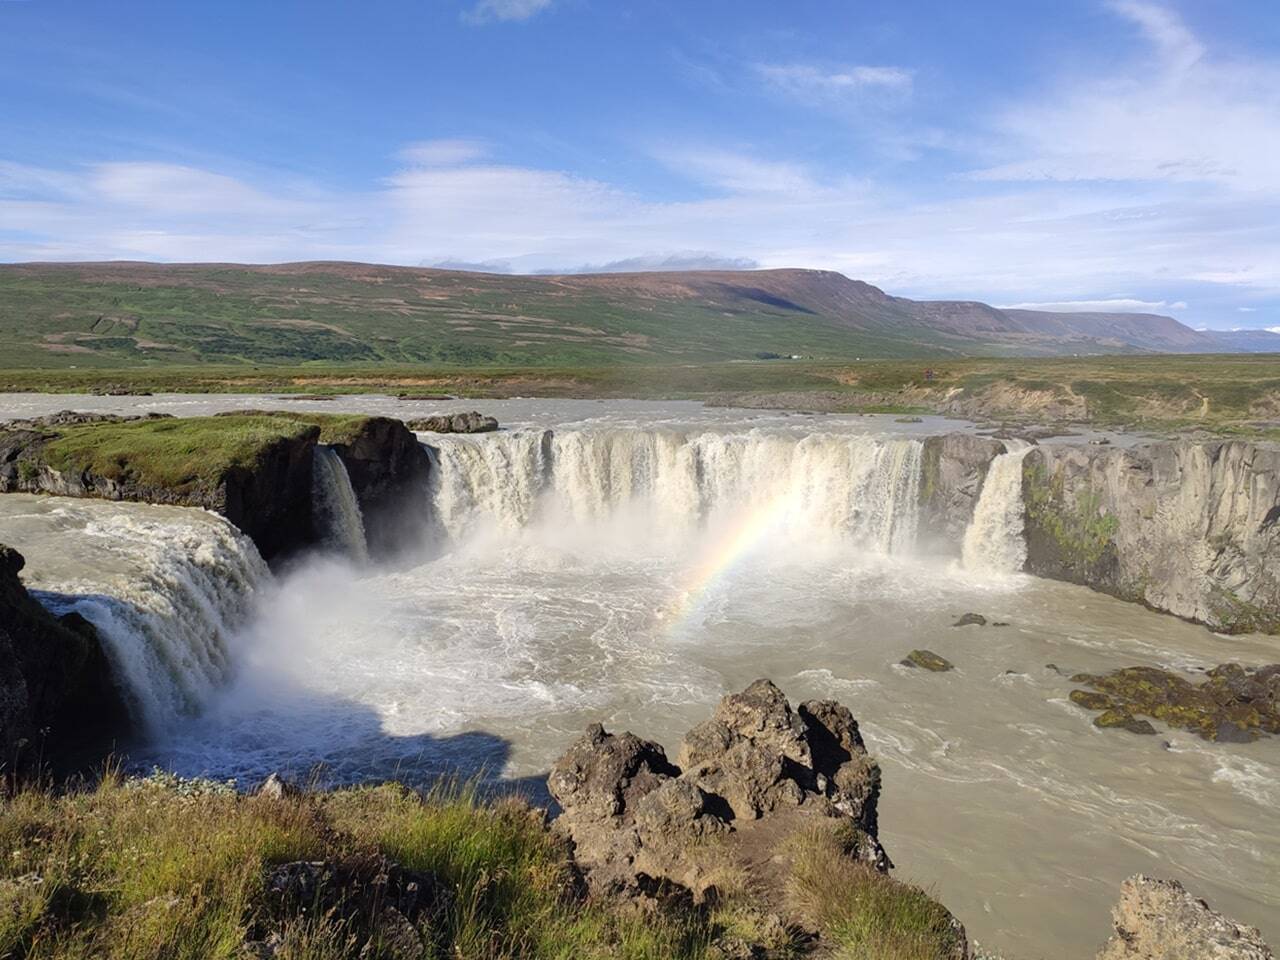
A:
(927, 660)
(953, 468)
(1160, 920)
(470, 422)
(388, 469)
(749, 777)
(971, 620)
(56, 687)
(1234, 703)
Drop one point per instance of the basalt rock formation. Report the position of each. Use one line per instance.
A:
(55, 680)
(953, 468)
(1189, 528)
(1159, 920)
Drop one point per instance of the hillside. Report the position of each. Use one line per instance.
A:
(127, 314)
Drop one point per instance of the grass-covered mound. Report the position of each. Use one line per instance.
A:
(180, 453)
(165, 869)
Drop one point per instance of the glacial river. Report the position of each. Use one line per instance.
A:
(633, 567)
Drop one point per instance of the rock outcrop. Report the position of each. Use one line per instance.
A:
(753, 773)
(1234, 703)
(1189, 528)
(762, 798)
(266, 492)
(388, 470)
(953, 468)
(1159, 920)
(470, 422)
(56, 688)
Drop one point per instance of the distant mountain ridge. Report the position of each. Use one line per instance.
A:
(125, 313)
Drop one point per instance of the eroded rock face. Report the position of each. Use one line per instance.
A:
(1159, 920)
(953, 468)
(1189, 528)
(747, 778)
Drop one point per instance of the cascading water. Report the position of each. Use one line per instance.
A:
(167, 588)
(993, 541)
(336, 509)
(672, 483)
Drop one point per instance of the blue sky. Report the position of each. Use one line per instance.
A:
(1094, 153)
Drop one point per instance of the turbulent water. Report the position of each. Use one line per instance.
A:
(634, 568)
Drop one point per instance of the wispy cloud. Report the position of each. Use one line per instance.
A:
(1177, 115)
(490, 11)
(433, 153)
(1247, 309)
(807, 81)
(1113, 305)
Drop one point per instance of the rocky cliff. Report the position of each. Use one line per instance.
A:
(253, 467)
(954, 468)
(56, 687)
(1190, 528)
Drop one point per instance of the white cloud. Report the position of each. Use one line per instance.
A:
(1115, 305)
(1247, 309)
(432, 153)
(488, 11)
(1273, 329)
(806, 80)
(1178, 115)
(735, 172)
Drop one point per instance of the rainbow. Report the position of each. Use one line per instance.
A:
(723, 554)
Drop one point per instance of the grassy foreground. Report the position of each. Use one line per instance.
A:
(1223, 394)
(169, 869)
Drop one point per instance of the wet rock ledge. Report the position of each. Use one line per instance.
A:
(253, 467)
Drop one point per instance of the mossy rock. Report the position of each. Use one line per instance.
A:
(1123, 720)
(1234, 703)
(1090, 700)
(928, 660)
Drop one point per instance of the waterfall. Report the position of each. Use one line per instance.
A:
(336, 509)
(672, 483)
(166, 595)
(993, 541)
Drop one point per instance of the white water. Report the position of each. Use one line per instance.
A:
(335, 508)
(993, 542)
(668, 486)
(606, 573)
(166, 587)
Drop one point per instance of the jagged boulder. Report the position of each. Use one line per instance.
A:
(470, 422)
(1160, 920)
(754, 774)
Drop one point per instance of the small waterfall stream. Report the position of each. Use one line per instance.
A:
(993, 541)
(336, 509)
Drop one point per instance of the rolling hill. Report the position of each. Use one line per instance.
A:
(125, 314)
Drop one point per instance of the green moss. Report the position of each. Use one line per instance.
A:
(1230, 614)
(928, 660)
(1079, 530)
(187, 453)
